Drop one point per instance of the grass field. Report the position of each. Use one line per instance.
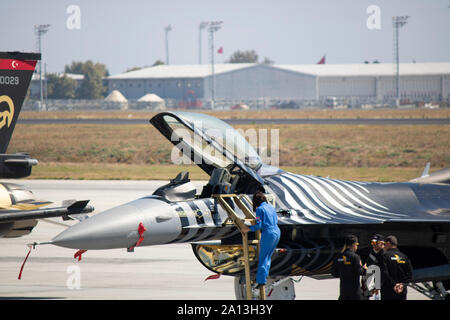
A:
(372, 153)
(96, 171)
(357, 152)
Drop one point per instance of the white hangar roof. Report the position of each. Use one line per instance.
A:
(321, 70)
(372, 69)
(180, 71)
(73, 76)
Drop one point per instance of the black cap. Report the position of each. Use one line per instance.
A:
(392, 239)
(377, 237)
(350, 239)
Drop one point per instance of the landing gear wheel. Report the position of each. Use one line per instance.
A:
(276, 289)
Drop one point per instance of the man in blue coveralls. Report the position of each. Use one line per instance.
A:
(267, 222)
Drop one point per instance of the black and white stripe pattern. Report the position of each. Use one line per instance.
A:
(200, 221)
(317, 200)
(312, 200)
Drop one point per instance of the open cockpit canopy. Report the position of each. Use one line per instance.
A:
(208, 142)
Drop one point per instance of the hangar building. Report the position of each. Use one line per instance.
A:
(429, 81)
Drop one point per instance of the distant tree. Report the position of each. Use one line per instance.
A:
(133, 69)
(248, 56)
(267, 61)
(157, 63)
(60, 87)
(92, 85)
(79, 67)
(76, 67)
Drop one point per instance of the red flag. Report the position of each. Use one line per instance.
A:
(322, 61)
(220, 50)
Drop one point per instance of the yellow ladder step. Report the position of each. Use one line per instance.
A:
(234, 219)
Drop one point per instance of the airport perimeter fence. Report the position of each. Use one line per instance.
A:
(206, 104)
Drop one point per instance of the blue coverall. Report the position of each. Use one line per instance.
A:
(267, 222)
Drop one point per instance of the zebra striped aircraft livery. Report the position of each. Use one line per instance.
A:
(310, 199)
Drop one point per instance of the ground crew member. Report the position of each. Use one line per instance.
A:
(374, 258)
(377, 251)
(348, 267)
(267, 222)
(396, 271)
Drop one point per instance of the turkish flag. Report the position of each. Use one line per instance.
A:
(220, 50)
(14, 64)
(322, 61)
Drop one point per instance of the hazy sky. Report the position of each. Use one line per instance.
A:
(125, 34)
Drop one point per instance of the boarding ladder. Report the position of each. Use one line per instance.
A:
(234, 219)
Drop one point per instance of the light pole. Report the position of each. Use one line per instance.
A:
(167, 29)
(397, 23)
(213, 27)
(40, 30)
(201, 26)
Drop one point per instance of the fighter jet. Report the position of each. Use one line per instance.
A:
(314, 213)
(19, 209)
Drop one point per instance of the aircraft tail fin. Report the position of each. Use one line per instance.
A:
(16, 70)
(440, 176)
(426, 170)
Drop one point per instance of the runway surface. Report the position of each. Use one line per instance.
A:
(168, 272)
(443, 121)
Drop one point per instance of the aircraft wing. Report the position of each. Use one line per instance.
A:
(440, 176)
(78, 207)
(309, 200)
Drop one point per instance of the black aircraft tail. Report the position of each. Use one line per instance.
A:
(16, 70)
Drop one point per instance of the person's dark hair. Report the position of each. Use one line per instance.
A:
(350, 239)
(258, 198)
(377, 237)
(392, 240)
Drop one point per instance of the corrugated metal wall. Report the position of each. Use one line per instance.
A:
(347, 87)
(262, 82)
(165, 88)
(415, 88)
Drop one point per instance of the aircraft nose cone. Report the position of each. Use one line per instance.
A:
(118, 227)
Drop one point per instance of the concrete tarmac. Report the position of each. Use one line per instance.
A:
(167, 272)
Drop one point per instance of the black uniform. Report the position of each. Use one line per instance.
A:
(347, 267)
(395, 268)
(374, 258)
